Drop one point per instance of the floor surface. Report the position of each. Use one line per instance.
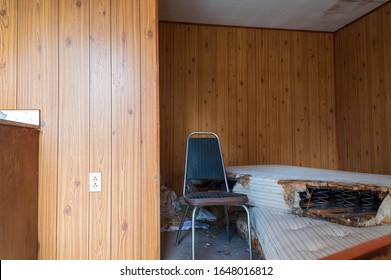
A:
(211, 244)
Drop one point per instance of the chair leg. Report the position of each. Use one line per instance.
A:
(193, 220)
(226, 222)
(249, 231)
(178, 235)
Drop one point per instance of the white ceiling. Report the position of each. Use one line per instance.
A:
(312, 15)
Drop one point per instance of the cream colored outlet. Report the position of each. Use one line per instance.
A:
(95, 182)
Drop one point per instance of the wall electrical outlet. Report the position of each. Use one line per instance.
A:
(95, 182)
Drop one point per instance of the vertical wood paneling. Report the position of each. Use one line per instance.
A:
(241, 90)
(363, 90)
(207, 54)
(386, 19)
(126, 113)
(364, 100)
(191, 74)
(191, 88)
(300, 100)
(222, 89)
(271, 98)
(260, 90)
(73, 155)
(8, 55)
(327, 110)
(38, 88)
(251, 103)
(80, 62)
(313, 102)
(378, 93)
(177, 115)
(150, 181)
(230, 146)
(100, 128)
(165, 103)
(285, 89)
(262, 82)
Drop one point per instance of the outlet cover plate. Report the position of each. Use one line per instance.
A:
(95, 182)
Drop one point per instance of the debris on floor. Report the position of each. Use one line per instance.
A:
(212, 244)
(242, 230)
(188, 225)
(205, 215)
(170, 209)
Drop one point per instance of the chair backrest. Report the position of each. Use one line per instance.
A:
(204, 159)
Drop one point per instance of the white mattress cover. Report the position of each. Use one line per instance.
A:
(286, 236)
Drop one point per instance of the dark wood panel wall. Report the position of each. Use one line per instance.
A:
(18, 191)
(269, 95)
(363, 93)
(91, 68)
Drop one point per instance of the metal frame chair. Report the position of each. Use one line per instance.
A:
(204, 161)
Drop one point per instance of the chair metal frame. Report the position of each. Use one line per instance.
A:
(223, 201)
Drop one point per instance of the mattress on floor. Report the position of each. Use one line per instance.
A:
(278, 187)
(285, 236)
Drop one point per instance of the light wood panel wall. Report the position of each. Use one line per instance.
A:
(363, 93)
(100, 127)
(37, 86)
(91, 68)
(269, 95)
(150, 131)
(8, 55)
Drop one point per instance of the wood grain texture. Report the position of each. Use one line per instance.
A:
(269, 95)
(38, 88)
(150, 177)
(8, 55)
(126, 122)
(18, 193)
(100, 128)
(363, 99)
(79, 62)
(73, 151)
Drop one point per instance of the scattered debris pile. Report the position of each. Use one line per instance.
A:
(170, 209)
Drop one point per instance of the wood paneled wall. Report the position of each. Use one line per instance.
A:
(269, 95)
(18, 191)
(91, 68)
(363, 93)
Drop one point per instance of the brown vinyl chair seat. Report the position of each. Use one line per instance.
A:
(215, 198)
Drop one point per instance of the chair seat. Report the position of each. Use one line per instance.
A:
(215, 198)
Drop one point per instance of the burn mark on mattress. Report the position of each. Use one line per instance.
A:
(347, 203)
(243, 180)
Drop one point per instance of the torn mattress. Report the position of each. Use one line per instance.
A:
(336, 196)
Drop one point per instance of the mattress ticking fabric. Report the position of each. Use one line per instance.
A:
(284, 236)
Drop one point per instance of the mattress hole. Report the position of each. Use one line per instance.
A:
(341, 205)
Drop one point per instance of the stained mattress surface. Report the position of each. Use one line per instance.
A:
(286, 236)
